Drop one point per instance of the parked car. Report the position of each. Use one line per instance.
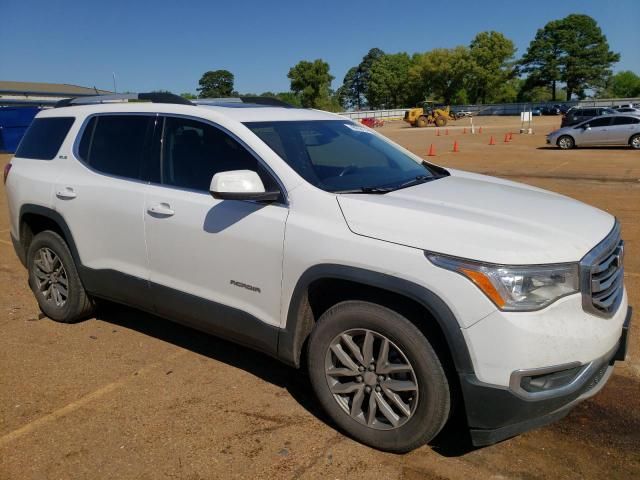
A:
(550, 110)
(631, 110)
(576, 115)
(556, 109)
(402, 286)
(605, 130)
(536, 111)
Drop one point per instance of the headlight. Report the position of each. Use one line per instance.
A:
(516, 288)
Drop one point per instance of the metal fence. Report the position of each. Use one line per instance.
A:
(496, 108)
(386, 114)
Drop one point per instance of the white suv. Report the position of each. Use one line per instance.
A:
(405, 288)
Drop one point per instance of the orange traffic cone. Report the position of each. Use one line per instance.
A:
(480, 130)
(446, 131)
(437, 132)
(492, 141)
(432, 151)
(506, 138)
(510, 136)
(464, 130)
(455, 147)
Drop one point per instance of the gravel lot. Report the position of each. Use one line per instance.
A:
(129, 395)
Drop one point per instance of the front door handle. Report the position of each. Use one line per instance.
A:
(161, 209)
(65, 193)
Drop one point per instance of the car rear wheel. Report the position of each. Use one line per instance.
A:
(378, 377)
(635, 142)
(565, 142)
(54, 280)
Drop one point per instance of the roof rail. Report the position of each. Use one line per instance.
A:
(270, 101)
(153, 97)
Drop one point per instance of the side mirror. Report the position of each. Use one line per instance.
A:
(586, 127)
(240, 185)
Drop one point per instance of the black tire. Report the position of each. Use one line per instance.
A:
(566, 142)
(441, 121)
(634, 142)
(77, 304)
(422, 122)
(432, 402)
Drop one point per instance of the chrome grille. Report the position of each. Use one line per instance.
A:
(602, 275)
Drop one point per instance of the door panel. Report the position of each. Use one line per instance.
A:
(623, 128)
(225, 251)
(598, 133)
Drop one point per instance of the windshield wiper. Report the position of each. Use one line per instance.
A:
(415, 181)
(378, 190)
(382, 190)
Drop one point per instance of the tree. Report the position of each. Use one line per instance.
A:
(350, 94)
(572, 50)
(388, 83)
(312, 81)
(492, 66)
(216, 84)
(355, 86)
(625, 84)
(441, 74)
(188, 96)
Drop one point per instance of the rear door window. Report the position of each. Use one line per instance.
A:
(625, 120)
(588, 112)
(44, 138)
(117, 144)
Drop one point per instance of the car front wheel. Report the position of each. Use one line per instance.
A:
(565, 142)
(378, 376)
(635, 142)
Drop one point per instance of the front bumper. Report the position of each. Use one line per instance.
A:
(497, 413)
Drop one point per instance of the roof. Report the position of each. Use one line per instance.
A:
(46, 89)
(248, 113)
(262, 113)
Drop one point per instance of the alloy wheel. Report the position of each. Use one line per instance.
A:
(51, 277)
(371, 379)
(564, 142)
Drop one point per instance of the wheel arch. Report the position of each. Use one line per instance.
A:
(324, 285)
(34, 219)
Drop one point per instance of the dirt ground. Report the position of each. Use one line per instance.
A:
(128, 395)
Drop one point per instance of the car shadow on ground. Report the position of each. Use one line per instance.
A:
(452, 441)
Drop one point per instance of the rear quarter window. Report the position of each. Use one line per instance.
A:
(44, 138)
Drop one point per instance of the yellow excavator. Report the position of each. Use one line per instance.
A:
(426, 114)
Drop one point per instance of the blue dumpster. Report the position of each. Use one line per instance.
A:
(14, 121)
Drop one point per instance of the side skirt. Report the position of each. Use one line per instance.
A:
(180, 307)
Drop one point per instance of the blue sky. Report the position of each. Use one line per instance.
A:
(169, 44)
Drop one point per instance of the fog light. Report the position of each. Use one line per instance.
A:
(549, 381)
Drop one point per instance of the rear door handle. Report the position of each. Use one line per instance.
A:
(65, 193)
(161, 209)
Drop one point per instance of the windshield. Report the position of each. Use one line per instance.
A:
(342, 156)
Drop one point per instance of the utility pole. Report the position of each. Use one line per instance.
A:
(114, 82)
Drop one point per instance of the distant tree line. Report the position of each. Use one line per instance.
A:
(567, 58)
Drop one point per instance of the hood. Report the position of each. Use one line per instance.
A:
(480, 218)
